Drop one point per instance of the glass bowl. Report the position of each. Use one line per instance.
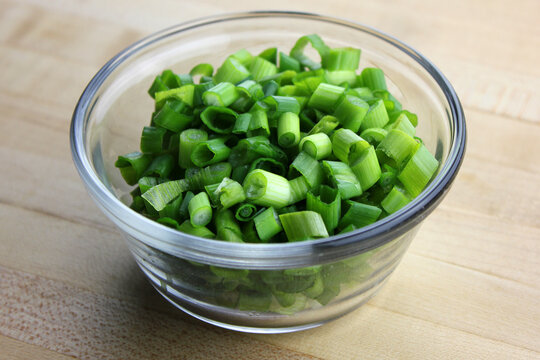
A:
(261, 288)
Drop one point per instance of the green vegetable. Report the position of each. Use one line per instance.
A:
(271, 148)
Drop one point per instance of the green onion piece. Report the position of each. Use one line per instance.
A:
(279, 105)
(200, 231)
(373, 78)
(239, 173)
(160, 195)
(243, 56)
(189, 139)
(229, 193)
(251, 89)
(317, 146)
(147, 182)
(245, 212)
(161, 166)
(261, 68)
(132, 166)
(210, 152)
(199, 91)
(345, 142)
(157, 85)
(202, 69)
(287, 62)
(249, 233)
(359, 215)
(268, 164)
(211, 192)
(270, 88)
(152, 140)
(231, 71)
(341, 77)
(366, 168)
(267, 224)
(219, 119)
(395, 200)
(403, 123)
(184, 94)
(266, 189)
(309, 80)
(326, 97)
(288, 130)
(241, 124)
(258, 125)
(170, 79)
(326, 125)
(390, 102)
(347, 229)
(351, 112)
(269, 54)
(183, 210)
(303, 225)
(363, 93)
(209, 175)
(171, 210)
(316, 289)
(171, 116)
(398, 145)
(376, 117)
(200, 210)
(223, 94)
(226, 226)
(299, 189)
(167, 221)
(346, 58)
(374, 135)
(418, 171)
(309, 168)
(342, 177)
(317, 43)
(413, 118)
(249, 149)
(254, 301)
(327, 202)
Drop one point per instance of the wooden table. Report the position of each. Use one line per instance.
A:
(469, 287)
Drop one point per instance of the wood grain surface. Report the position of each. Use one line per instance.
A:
(468, 288)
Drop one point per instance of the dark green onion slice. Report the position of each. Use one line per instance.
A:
(188, 141)
(309, 168)
(395, 200)
(245, 212)
(342, 177)
(327, 202)
(303, 225)
(210, 152)
(219, 119)
(351, 112)
(226, 226)
(359, 215)
(418, 171)
(152, 140)
(132, 166)
(317, 43)
(267, 224)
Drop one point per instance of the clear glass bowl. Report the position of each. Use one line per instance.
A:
(290, 286)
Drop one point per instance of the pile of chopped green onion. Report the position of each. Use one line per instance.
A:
(276, 148)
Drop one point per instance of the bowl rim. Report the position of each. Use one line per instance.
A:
(280, 255)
